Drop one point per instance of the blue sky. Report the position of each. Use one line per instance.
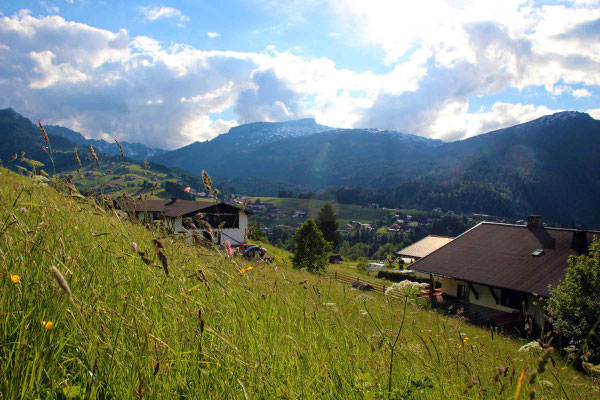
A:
(167, 73)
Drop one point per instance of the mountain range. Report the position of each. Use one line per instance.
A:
(547, 166)
(135, 151)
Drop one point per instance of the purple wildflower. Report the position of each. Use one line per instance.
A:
(228, 249)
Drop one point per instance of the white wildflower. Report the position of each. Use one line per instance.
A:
(363, 298)
(531, 347)
(406, 288)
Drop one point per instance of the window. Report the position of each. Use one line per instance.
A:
(538, 252)
(463, 292)
(510, 298)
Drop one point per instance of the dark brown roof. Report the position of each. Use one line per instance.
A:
(175, 207)
(499, 255)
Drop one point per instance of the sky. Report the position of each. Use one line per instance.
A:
(168, 73)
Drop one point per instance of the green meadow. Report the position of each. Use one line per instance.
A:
(84, 316)
(345, 212)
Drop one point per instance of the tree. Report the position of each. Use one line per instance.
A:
(254, 230)
(310, 248)
(327, 223)
(574, 305)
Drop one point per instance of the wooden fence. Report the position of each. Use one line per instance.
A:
(378, 287)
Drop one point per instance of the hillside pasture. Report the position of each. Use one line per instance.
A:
(85, 315)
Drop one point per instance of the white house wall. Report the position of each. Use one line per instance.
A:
(235, 236)
(449, 286)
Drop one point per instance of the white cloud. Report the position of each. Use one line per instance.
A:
(203, 128)
(51, 9)
(140, 89)
(595, 113)
(581, 93)
(213, 35)
(155, 13)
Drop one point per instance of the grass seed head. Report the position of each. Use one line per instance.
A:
(164, 261)
(77, 157)
(44, 132)
(60, 279)
(207, 181)
(93, 153)
(120, 148)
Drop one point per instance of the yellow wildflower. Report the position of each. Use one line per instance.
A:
(48, 325)
(15, 278)
(249, 268)
(460, 346)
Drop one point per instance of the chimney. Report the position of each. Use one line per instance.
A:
(534, 221)
(579, 242)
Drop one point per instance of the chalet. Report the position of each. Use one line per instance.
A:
(424, 247)
(299, 214)
(228, 223)
(498, 272)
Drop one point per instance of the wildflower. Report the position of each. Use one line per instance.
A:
(23, 210)
(15, 278)
(250, 268)
(48, 325)
(133, 246)
(406, 288)
(228, 249)
(531, 347)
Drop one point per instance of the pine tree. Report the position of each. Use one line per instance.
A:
(310, 248)
(327, 223)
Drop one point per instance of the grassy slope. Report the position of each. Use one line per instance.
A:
(130, 176)
(131, 332)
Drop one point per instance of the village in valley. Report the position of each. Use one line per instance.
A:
(492, 270)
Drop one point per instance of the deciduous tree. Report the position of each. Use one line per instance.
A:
(574, 306)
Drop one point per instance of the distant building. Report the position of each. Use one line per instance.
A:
(424, 247)
(227, 222)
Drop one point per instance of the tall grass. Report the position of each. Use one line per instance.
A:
(216, 328)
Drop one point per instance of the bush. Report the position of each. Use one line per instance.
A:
(574, 306)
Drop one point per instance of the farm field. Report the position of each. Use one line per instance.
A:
(345, 212)
(85, 316)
